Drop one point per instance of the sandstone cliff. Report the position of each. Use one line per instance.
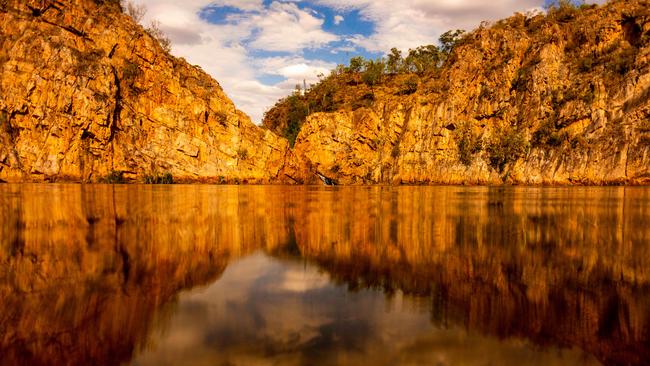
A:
(557, 98)
(85, 93)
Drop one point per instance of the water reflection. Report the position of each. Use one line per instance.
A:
(303, 275)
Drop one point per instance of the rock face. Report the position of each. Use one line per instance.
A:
(86, 92)
(562, 98)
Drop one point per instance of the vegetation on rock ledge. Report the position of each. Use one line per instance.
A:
(541, 92)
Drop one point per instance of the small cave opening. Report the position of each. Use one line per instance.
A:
(631, 30)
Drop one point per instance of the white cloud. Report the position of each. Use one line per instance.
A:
(246, 5)
(411, 23)
(224, 50)
(285, 27)
(338, 19)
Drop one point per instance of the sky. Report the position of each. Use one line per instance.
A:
(259, 50)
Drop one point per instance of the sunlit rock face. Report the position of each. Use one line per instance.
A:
(89, 273)
(573, 91)
(85, 91)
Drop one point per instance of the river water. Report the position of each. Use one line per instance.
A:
(277, 275)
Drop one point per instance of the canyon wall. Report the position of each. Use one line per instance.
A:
(558, 98)
(86, 93)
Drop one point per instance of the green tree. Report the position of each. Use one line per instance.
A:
(296, 115)
(506, 147)
(395, 62)
(356, 64)
(450, 39)
(374, 71)
(422, 59)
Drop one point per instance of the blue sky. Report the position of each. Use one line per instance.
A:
(260, 49)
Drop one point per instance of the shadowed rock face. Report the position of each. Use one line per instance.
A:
(89, 273)
(85, 91)
(562, 99)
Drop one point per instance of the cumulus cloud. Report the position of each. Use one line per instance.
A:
(338, 19)
(224, 49)
(411, 23)
(285, 27)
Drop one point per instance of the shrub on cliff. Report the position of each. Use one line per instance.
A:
(548, 135)
(154, 31)
(165, 178)
(374, 71)
(409, 86)
(469, 144)
(298, 111)
(114, 177)
(137, 12)
(506, 147)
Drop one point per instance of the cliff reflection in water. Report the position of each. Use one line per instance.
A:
(94, 274)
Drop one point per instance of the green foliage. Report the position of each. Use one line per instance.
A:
(114, 177)
(373, 73)
(506, 147)
(423, 58)
(618, 59)
(395, 62)
(450, 39)
(357, 64)
(165, 178)
(563, 10)
(409, 86)
(331, 93)
(298, 111)
(87, 61)
(469, 144)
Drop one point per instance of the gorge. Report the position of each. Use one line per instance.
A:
(87, 95)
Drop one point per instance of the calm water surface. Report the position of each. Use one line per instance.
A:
(220, 275)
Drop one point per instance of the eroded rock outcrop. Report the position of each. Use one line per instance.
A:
(84, 91)
(562, 98)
